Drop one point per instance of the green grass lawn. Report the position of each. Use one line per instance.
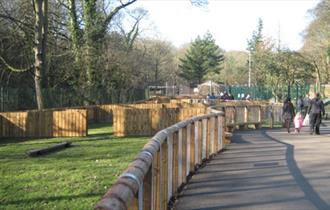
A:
(73, 178)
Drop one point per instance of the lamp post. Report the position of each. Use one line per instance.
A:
(249, 69)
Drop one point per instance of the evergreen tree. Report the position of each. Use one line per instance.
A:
(257, 38)
(258, 50)
(203, 57)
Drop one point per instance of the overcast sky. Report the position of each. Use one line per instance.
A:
(231, 22)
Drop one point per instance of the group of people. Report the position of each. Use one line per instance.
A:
(311, 109)
(228, 96)
(223, 96)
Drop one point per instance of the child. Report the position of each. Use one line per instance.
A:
(298, 120)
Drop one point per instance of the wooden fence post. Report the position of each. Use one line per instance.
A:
(175, 162)
(204, 139)
(188, 148)
(155, 182)
(271, 117)
(200, 141)
(235, 118)
(192, 147)
(258, 124)
(163, 179)
(196, 142)
(259, 114)
(184, 155)
(213, 134)
(170, 165)
(180, 155)
(208, 139)
(147, 185)
(220, 136)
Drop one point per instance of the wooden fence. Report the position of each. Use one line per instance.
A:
(46, 123)
(162, 167)
(244, 115)
(160, 170)
(104, 113)
(143, 119)
(241, 116)
(132, 121)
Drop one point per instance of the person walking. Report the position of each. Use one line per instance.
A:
(298, 120)
(316, 110)
(306, 103)
(300, 104)
(288, 113)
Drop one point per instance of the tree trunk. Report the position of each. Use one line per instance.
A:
(318, 77)
(91, 51)
(40, 39)
(156, 72)
(74, 29)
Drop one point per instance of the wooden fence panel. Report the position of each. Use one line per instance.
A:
(163, 118)
(188, 112)
(254, 114)
(45, 123)
(105, 113)
(230, 115)
(129, 121)
(240, 115)
(143, 120)
(277, 113)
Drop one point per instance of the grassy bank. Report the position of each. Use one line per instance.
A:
(73, 178)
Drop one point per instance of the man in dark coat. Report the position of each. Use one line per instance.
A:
(316, 110)
(288, 113)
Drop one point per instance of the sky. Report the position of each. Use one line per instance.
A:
(231, 22)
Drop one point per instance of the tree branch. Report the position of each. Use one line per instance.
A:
(17, 22)
(74, 24)
(114, 12)
(13, 69)
(199, 3)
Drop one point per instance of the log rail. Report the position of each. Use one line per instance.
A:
(158, 173)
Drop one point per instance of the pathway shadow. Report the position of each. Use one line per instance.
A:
(298, 176)
(240, 140)
(248, 205)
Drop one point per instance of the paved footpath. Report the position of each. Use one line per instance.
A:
(264, 170)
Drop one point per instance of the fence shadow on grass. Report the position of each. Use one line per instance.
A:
(7, 141)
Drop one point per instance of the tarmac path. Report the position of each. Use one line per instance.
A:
(264, 169)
